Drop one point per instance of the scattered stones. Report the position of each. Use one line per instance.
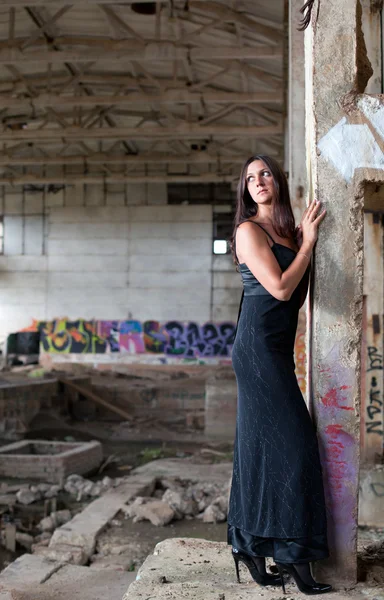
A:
(159, 513)
(63, 553)
(54, 520)
(82, 488)
(181, 501)
(46, 524)
(43, 487)
(207, 501)
(213, 514)
(25, 496)
(52, 492)
(25, 540)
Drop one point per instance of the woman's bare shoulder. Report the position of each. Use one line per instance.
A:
(250, 228)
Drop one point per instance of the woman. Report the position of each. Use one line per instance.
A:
(277, 502)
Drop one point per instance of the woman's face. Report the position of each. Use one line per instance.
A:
(260, 182)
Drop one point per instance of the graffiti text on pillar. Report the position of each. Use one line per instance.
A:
(374, 420)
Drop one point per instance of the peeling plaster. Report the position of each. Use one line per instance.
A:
(349, 147)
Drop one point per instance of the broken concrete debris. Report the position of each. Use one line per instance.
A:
(159, 513)
(75, 485)
(54, 520)
(82, 488)
(181, 499)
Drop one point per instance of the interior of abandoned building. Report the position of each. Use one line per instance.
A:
(124, 127)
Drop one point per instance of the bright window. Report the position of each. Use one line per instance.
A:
(220, 247)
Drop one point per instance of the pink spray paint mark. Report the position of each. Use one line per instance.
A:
(333, 398)
(340, 470)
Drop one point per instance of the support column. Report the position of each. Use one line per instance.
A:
(295, 156)
(342, 156)
(296, 112)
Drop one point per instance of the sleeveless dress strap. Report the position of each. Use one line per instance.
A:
(258, 224)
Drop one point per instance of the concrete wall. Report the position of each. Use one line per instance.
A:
(344, 127)
(227, 288)
(114, 254)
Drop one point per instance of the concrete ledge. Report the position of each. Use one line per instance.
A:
(195, 569)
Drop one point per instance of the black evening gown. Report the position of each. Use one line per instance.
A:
(276, 505)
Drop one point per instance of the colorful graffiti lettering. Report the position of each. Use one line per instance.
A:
(70, 337)
(173, 338)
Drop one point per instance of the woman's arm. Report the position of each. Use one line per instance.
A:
(253, 247)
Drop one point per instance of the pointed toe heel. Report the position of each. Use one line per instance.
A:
(305, 588)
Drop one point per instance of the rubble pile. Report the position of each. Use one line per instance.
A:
(82, 488)
(75, 485)
(34, 537)
(175, 499)
(45, 527)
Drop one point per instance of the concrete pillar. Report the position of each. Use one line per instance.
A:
(295, 152)
(296, 112)
(344, 152)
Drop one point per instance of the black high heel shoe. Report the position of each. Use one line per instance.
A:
(260, 578)
(305, 588)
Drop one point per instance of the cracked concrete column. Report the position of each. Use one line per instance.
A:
(296, 112)
(295, 157)
(344, 153)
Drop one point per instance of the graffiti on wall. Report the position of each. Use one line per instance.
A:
(187, 340)
(374, 417)
(174, 339)
(338, 448)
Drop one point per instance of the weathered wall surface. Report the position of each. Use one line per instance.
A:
(226, 284)
(345, 150)
(75, 257)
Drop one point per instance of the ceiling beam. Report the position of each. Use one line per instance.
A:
(123, 159)
(48, 3)
(180, 131)
(107, 50)
(33, 179)
(228, 15)
(169, 97)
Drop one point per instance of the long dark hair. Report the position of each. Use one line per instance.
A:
(283, 220)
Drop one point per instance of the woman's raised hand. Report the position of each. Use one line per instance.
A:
(310, 222)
